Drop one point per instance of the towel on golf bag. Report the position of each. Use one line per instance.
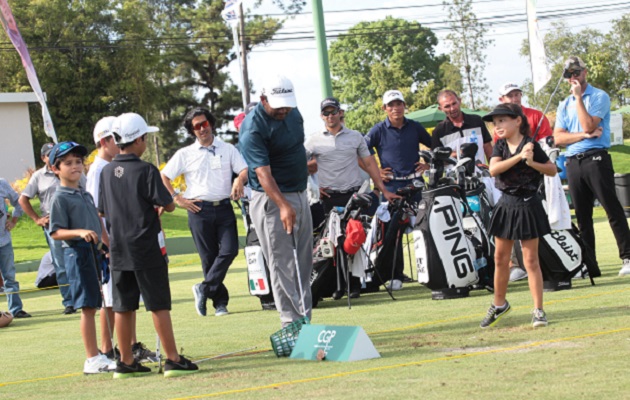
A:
(445, 255)
(556, 204)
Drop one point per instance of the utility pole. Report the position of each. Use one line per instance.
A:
(322, 48)
(244, 55)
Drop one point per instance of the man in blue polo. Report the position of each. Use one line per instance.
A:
(272, 142)
(397, 141)
(583, 126)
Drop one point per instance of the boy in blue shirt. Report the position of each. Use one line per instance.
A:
(74, 220)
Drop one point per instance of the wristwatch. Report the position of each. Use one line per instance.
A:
(176, 193)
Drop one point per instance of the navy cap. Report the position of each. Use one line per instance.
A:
(63, 148)
(47, 148)
(513, 110)
(330, 102)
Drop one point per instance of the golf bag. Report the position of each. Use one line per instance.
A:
(562, 255)
(257, 269)
(447, 259)
(330, 267)
(387, 236)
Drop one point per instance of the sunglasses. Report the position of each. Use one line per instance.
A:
(203, 124)
(572, 74)
(61, 150)
(327, 113)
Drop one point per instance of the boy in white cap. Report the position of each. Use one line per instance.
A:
(131, 197)
(107, 150)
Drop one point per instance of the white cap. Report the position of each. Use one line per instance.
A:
(279, 92)
(131, 126)
(392, 95)
(508, 87)
(103, 128)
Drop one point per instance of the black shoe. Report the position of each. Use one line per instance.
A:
(22, 314)
(405, 279)
(338, 294)
(495, 314)
(355, 293)
(142, 354)
(124, 371)
(270, 306)
(113, 354)
(183, 367)
(200, 300)
(69, 310)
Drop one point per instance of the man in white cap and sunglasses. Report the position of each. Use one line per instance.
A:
(272, 143)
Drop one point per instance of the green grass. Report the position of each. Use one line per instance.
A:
(429, 349)
(621, 157)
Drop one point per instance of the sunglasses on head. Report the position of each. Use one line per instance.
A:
(199, 125)
(327, 113)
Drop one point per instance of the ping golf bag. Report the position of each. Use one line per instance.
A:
(330, 267)
(257, 270)
(447, 257)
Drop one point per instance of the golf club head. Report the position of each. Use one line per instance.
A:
(468, 150)
(426, 156)
(462, 163)
(442, 153)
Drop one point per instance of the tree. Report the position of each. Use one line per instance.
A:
(374, 57)
(603, 55)
(467, 44)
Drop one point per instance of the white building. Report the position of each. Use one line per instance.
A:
(16, 139)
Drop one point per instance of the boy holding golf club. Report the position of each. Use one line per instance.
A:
(131, 197)
(73, 220)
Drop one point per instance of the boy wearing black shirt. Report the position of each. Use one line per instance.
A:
(130, 192)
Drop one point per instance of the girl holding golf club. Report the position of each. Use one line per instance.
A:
(517, 163)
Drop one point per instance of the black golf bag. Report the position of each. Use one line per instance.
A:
(383, 253)
(447, 259)
(330, 275)
(562, 255)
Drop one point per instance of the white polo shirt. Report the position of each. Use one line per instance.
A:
(207, 170)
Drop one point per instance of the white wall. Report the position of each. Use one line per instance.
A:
(16, 141)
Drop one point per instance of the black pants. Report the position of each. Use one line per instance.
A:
(593, 177)
(214, 231)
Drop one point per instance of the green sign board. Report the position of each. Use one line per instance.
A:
(334, 343)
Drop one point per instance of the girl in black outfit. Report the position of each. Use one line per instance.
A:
(518, 163)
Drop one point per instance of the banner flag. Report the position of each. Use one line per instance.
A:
(230, 12)
(8, 22)
(540, 70)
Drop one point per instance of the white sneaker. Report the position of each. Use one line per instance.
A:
(517, 273)
(625, 267)
(394, 285)
(98, 365)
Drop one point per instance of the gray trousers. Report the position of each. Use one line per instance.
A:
(277, 248)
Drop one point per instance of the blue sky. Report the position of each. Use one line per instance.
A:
(298, 60)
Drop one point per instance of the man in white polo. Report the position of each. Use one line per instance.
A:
(207, 166)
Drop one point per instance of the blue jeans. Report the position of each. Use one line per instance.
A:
(7, 268)
(56, 251)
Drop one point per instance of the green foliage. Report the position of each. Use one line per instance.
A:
(607, 57)
(374, 57)
(105, 57)
(467, 44)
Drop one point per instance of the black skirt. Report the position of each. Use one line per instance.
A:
(519, 218)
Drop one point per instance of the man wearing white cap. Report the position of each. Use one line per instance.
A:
(397, 141)
(131, 196)
(538, 123)
(272, 143)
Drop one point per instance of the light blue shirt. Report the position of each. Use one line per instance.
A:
(7, 192)
(597, 103)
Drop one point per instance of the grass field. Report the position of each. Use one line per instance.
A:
(429, 349)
